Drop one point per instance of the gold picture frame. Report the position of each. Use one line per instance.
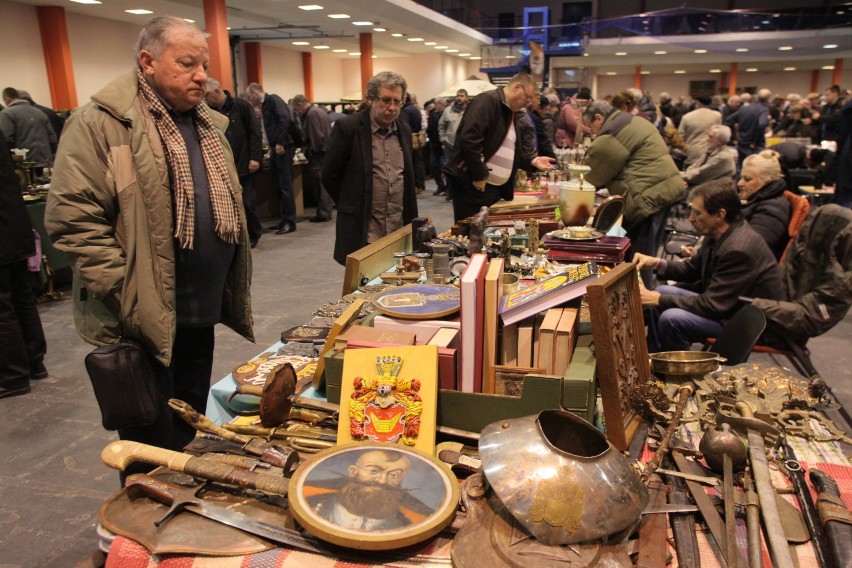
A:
(373, 496)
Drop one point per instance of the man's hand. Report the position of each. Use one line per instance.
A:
(279, 149)
(643, 261)
(543, 163)
(480, 185)
(649, 298)
(254, 165)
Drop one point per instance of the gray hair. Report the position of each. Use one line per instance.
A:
(745, 97)
(388, 80)
(154, 36)
(299, 99)
(723, 133)
(213, 85)
(600, 107)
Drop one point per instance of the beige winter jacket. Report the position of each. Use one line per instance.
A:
(110, 210)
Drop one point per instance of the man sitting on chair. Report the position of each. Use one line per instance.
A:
(733, 261)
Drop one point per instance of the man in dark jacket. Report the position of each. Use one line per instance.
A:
(316, 128)
(486, 153)
(277, 120)
(733, 262)
(368, 170)
(750, 122)
(436, 150)
(22, 344)
(415, 121)
(244, 136)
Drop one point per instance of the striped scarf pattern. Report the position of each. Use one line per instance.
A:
(226, 212)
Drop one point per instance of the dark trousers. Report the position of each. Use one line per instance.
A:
(255, 230)
(22, 343)
(647, 238)
(419, 168)
(676, 329)
(187, 379)
(436, 164)
(313, 184)
(282, 173)
(467, 200)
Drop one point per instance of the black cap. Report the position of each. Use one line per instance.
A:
(706, 101)
(584, 94)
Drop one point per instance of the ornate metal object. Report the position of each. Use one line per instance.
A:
(560, 478)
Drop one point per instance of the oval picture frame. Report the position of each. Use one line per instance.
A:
(424, 500)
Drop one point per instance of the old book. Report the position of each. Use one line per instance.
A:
(404, 414)
(549, 293)
(305, 333)
(423, 329)
(525, 343)
(566, 338)
(375, 335)
(447, 340)
(509, 345)
(491, 323)
(445, 337)
(472, 308)
(547, 340)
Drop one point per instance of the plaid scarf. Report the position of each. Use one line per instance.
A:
(226, 213)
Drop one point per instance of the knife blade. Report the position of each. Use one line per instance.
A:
(180, 499)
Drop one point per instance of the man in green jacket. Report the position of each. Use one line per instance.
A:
(146, 203)
(629, 157)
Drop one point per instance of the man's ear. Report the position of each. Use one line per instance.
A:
(146, 62)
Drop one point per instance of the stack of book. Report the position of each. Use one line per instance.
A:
(606, 250)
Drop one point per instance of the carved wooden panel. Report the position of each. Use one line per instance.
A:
(621, 349)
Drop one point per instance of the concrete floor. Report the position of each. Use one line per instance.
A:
(52, 481)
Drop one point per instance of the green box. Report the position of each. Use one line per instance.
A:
(333, 375)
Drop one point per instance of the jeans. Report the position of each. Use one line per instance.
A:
(22, 343)
(281, 167)
(187, 378)
(676, 329)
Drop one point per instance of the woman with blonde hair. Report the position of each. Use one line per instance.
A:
(761, 187)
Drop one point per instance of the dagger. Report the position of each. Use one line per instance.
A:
(836, 517)
(180, 499)
(806, 504)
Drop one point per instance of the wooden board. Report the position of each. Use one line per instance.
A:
(621, 349)
(375, 258)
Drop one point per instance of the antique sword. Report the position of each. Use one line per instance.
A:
(836, 518)
(806, 504)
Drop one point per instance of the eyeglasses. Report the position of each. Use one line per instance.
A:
(388, 101)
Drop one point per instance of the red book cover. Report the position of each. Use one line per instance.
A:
(472, 312)
(448, 365)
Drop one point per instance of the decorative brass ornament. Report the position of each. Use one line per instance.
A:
(559, 501)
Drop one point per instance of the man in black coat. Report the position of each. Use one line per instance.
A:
(245, 137)
(278, 126)
(22, 343)
(733, 262)
(487, 150)
(369, 171)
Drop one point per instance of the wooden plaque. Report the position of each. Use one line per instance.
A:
(375, 258)
(621, 349)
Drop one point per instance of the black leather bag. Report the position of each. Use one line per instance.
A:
(125, 385)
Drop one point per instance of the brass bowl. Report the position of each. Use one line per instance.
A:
(685, 363)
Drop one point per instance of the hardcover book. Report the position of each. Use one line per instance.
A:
(423, 329)
(375, 335)
(491, 323)
(549, 293)
(305, 333)
(472, 308)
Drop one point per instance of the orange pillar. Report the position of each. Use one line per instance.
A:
(308, 73)
(732, 84)
(637, 77)
(57, 57)
(366, 42)
(815, 81)
(838, 71)
(216, 22)
(254, 65)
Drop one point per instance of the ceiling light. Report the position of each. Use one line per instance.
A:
(320, 47)
(310, 7)
(441, 46)
(456, 51)
(828, 67)
(375, 56)
(751, 70)
(338, 50)
(301, 43)
(430, 43)
(190, 21)
(354, 53)
(742, 49)
(659, 53)
(139, 12)
(379, 30)
(789, 69)
(610, 72)
(415, 39)
(621, 53)
(785, 48)
(464, 55)
(477, 58)
(679, 72)
(715, 71)
(700, 51)
(826, 46)
(339, 16)
(396, 35)
(87, 1)
(228, 28)
(507, 57)
(644, 72)
(362, 23)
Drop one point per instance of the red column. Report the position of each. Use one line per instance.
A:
(254, 65)
(838, 71)
(216, 24)
(732, 83)
(637, 77)
(308, 73)
(815, 81)
(366, 42)
(57, 57)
